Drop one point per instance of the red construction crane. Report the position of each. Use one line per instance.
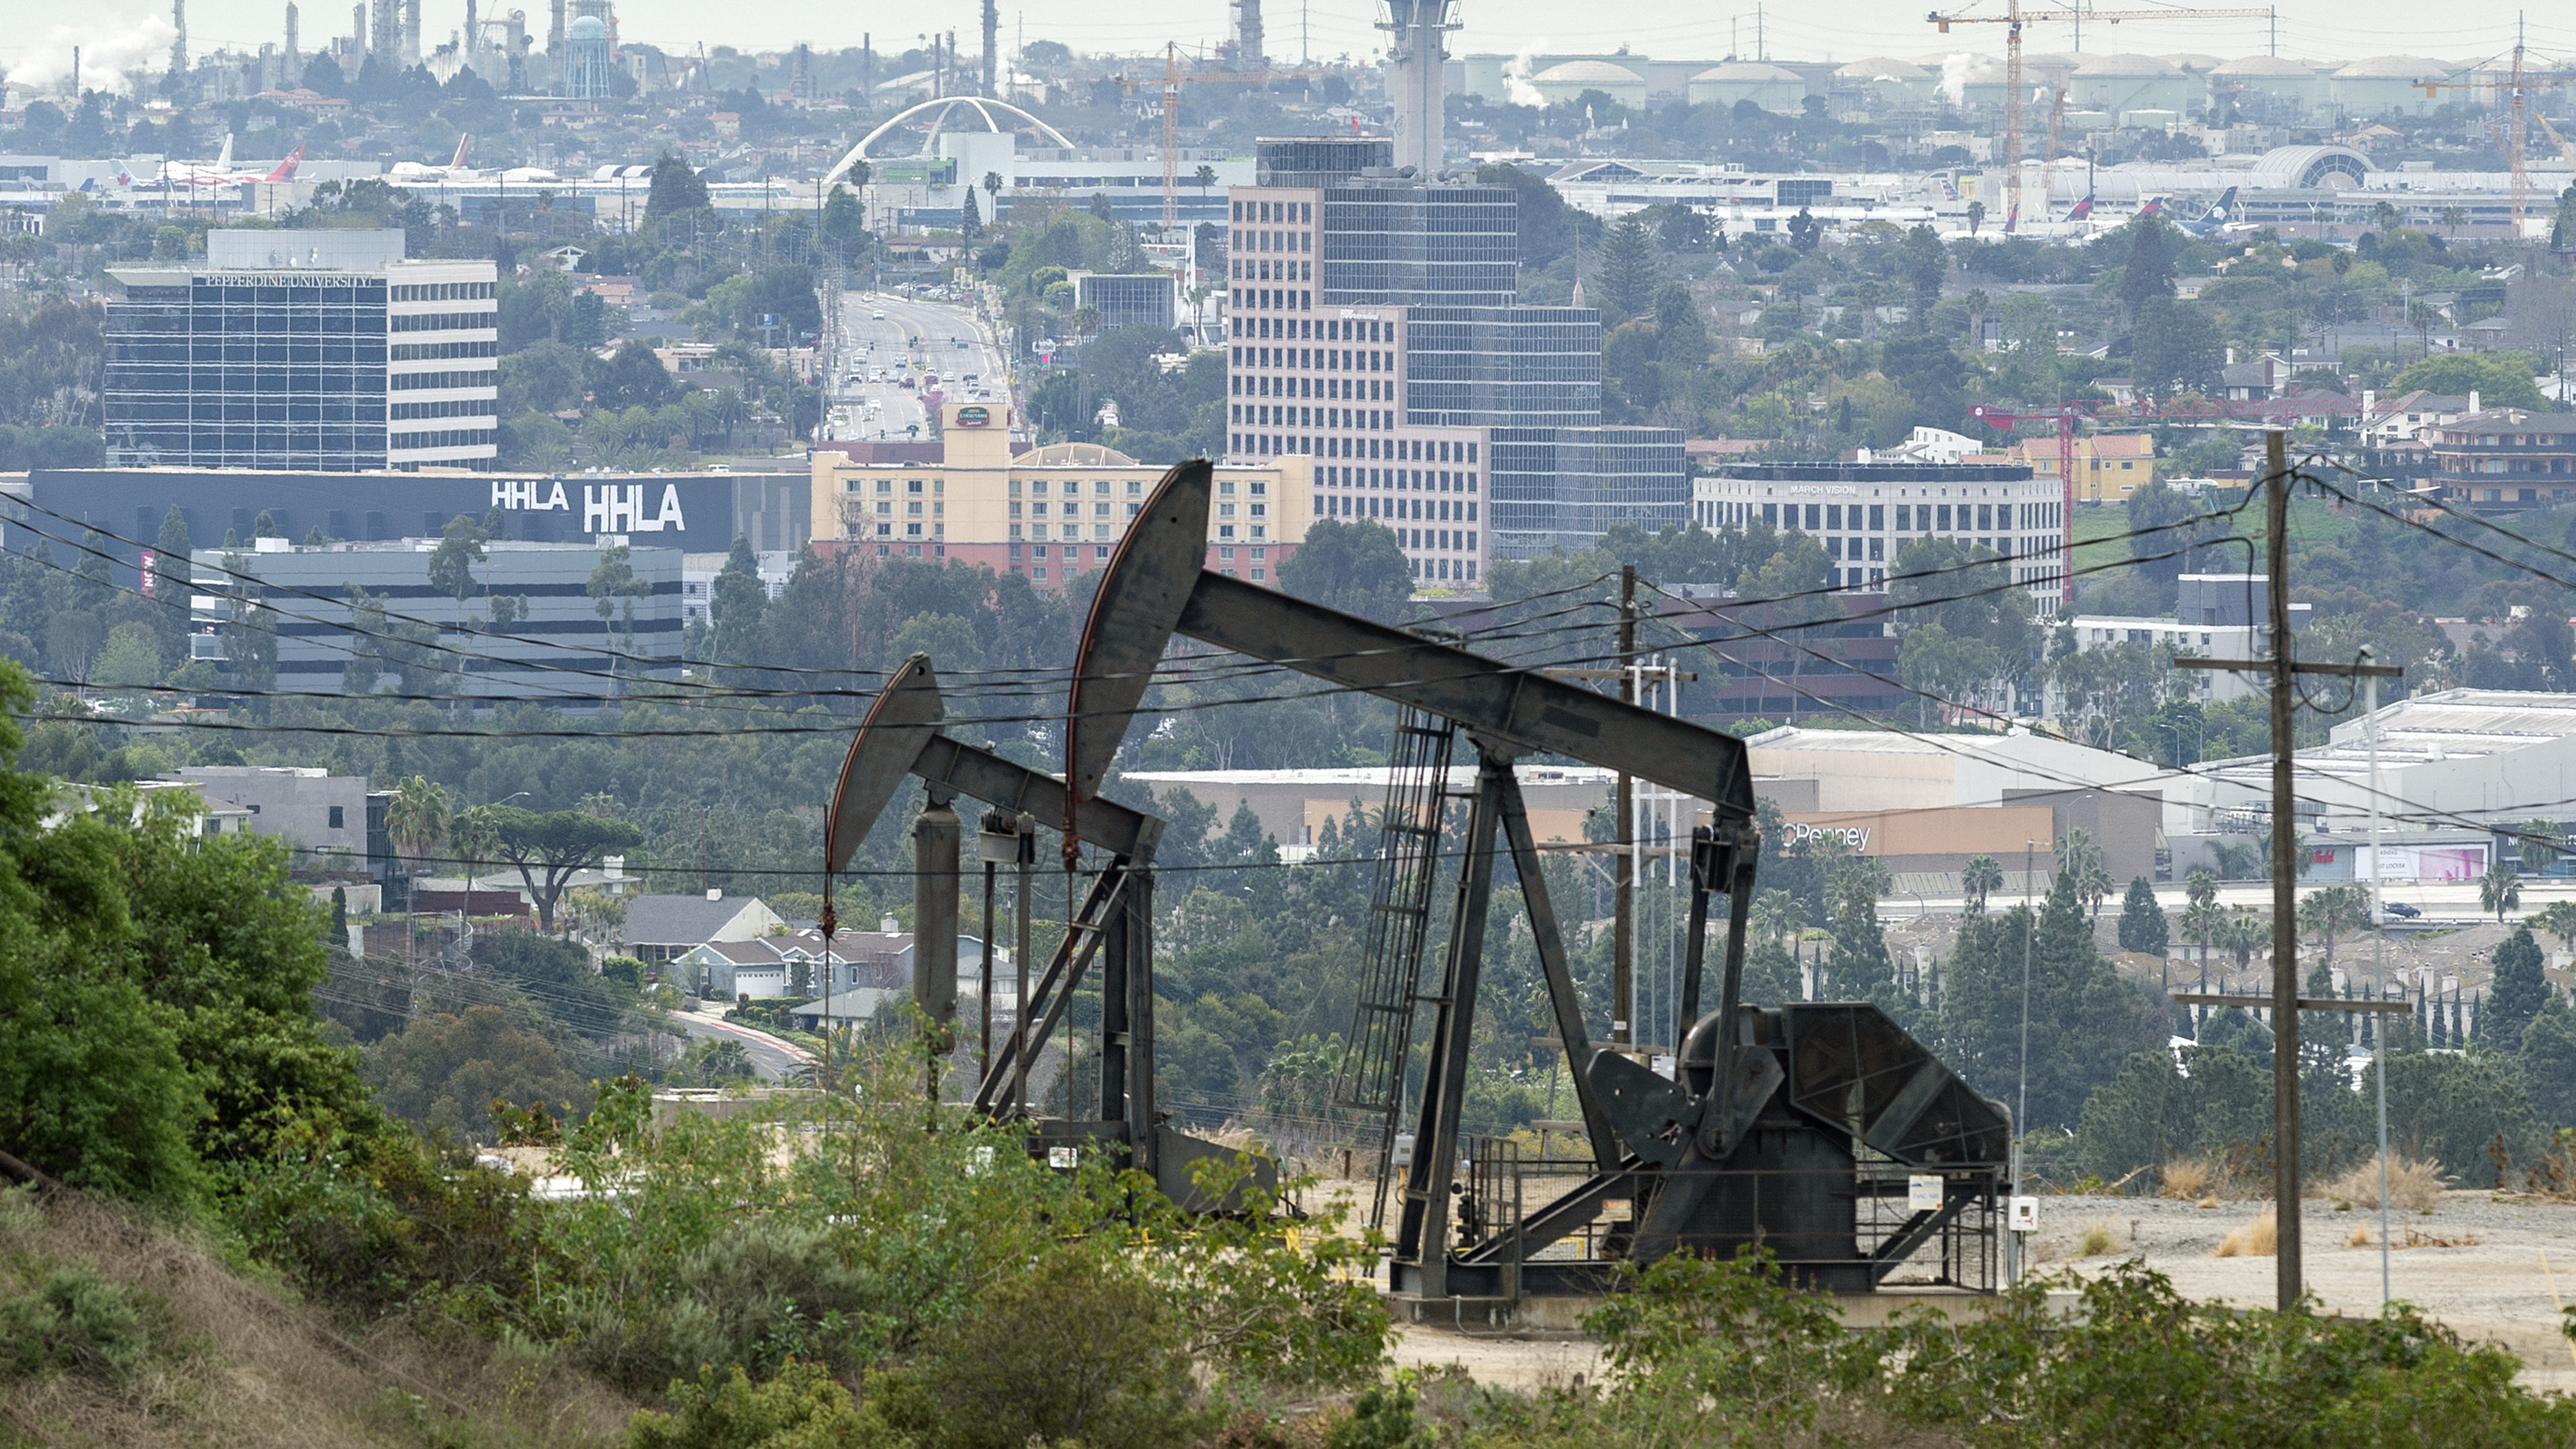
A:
(2064, 416)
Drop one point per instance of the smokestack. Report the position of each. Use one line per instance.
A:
(179, 41)
(992, 43)
(473, 33)
(294, 65)
(555, 32)
(411, 34)
(357, 37)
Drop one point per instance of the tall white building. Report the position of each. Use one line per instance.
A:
(1864, 512)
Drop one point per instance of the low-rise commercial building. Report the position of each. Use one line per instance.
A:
(1864, 512)
(529, 630)
(2108, 466)
(1049, 514)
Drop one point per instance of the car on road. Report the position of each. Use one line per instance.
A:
(2399, 910)
(878, 314)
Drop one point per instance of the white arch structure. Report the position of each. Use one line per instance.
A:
(983, 107)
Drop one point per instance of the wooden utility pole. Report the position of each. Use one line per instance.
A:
(1623, 866)
(2285, 874)
(2284, 1000)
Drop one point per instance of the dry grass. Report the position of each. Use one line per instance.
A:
(2260, 1238)
(2360, 1238)
(2099, 1236)
(2414, 1239)
(2210, 1201)
(238, 1364)
(2413, 1185)
(2186, 1181)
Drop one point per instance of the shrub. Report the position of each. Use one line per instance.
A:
(802, 1406)
(1075, 1347)
(2413, 1184)
(77, 1322)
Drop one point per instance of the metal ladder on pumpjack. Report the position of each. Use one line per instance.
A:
(1399, 920)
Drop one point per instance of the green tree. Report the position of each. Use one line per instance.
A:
(2084, 1018)
(446, 1071)
(2158, 1110)
(2174, 348)
(1628, 272)
(549, 848)
(2519, 992)
(2148, 271)
(2331, 912)
(2451, 1108)
(1861, 966)
(676, 188)
(2142, 921)
(2547, 1064)
(451, 563)
(736, 601)
(2499, 382)
(1355, 566)
(416, 821)
(632, 378)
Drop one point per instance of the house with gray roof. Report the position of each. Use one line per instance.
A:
(661, 928)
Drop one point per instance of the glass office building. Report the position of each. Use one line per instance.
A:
(305, 351)
(1429, 358)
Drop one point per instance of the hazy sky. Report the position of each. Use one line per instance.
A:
(121, 34)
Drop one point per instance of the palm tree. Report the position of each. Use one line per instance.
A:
(416, 820)
(2386, 215)
(2079, 857)
(2537, 845)
(2204, 922)
(1775, 914)
(2331, 912)
(2560, 921)
(2452, 218)
(993, 194)
(1982, 874)
(2200, 887)
(2500, 890)
(1203, 178)
(2248, 931)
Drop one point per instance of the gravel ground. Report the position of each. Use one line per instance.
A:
(2489, 1287)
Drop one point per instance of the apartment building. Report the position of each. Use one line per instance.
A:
(2505, 460)
(1049, 514)
(2108, 466)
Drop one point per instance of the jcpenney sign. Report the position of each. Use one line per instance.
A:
(1856, 837)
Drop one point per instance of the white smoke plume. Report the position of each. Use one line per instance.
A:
(1955, 72)
(110, 46)
(1516, 76)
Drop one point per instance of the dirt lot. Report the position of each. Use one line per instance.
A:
(2488, 1286)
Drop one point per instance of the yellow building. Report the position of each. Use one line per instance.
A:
(2108, 466)
(1050, 514)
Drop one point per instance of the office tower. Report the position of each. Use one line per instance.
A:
(1436, 397)
(306, 350)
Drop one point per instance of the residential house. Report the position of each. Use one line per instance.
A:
(661, 928)
(2399, 424)
(316, 812)
(2108, 466)
(2506, 460)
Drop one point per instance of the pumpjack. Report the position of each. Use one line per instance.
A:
(901, 736)
(1819, 1131)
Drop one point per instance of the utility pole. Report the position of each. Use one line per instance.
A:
(1623, 865)
(2285, 875)
(2285, 1002)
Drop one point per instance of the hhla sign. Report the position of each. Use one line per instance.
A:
(605, 507)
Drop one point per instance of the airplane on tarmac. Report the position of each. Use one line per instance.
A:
(454, 170)
(460, 170)
(222, 172)
(2213, 221)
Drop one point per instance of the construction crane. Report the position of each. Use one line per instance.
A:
(2014, 18)
(2518, 86)
(1172, 79)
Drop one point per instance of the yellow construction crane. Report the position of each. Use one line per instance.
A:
(1171, 80)
(2516, 131)
(2015, 18)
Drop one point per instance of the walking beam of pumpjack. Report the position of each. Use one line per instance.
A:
(1818, 1130)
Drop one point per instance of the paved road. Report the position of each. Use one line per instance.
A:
(771, 1058)
(923, 335)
